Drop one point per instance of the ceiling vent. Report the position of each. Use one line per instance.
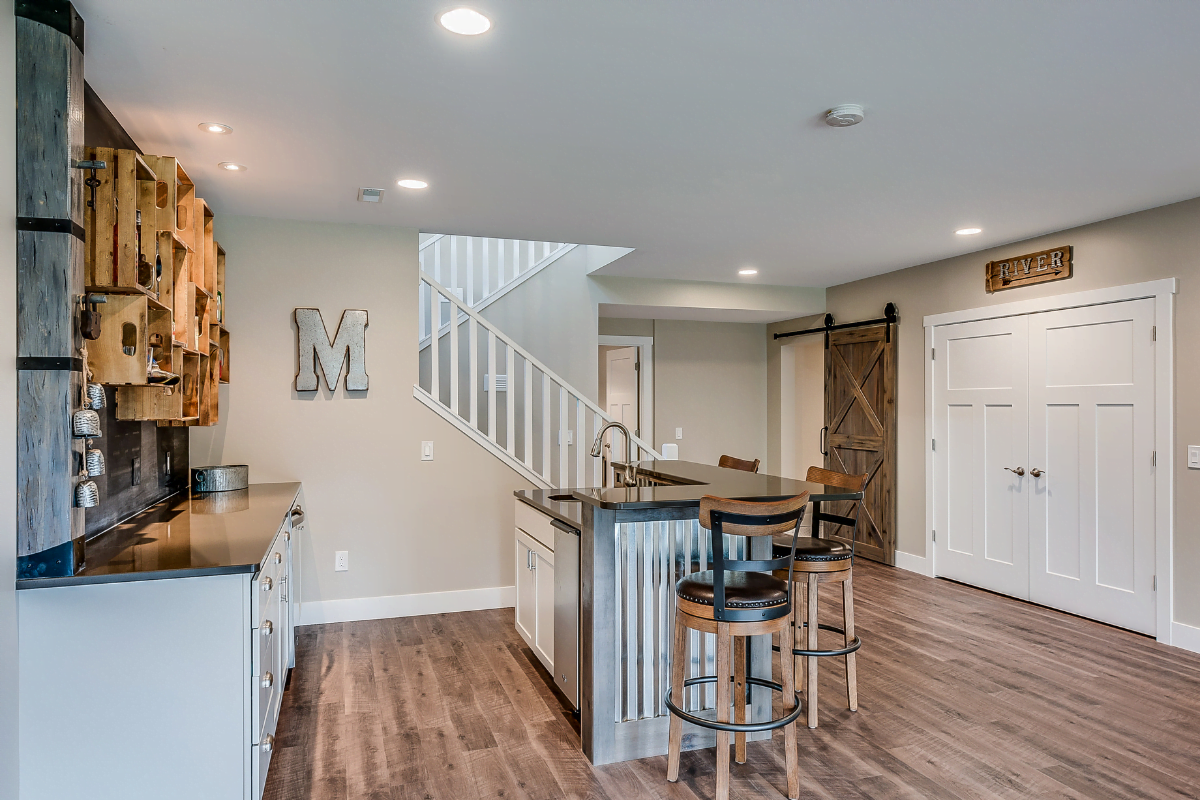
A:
(370, 195)
(844, 116)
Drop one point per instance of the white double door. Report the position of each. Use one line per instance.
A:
(1066, 398)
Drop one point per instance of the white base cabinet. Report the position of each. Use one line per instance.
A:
(535, 582)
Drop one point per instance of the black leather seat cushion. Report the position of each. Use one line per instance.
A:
(742, 589)
(811, 549)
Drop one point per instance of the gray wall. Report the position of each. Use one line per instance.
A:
(710, 378)
(1160, 243)
(410, 527)
(8, 406)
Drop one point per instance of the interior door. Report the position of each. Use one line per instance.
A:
(1092, 518)
(980, 440)
(860, 420)
(621, 397)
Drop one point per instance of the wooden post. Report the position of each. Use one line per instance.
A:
(50, 256)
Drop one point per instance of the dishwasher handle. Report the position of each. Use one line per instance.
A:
(564, 527)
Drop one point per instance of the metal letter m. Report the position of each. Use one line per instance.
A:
(314, 345)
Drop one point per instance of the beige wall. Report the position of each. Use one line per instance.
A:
(610, 326)
(808, 393)
(8, 406)
(710, 378)
(1160, 243)
(410, 527)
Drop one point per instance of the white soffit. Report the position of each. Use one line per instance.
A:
(611, 311)
(693, 132)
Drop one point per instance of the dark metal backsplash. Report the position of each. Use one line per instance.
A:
(123, 442)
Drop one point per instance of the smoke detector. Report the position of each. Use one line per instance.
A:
(844, 116)
(370, 195)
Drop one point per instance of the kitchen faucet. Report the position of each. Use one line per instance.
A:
(630, 478)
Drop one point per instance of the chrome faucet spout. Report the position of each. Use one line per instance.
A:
(630, 478)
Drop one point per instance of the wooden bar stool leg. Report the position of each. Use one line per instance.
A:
(739, 697)
(787, 665)
(800, 663)
(810, 696)
(678, 673)
(723, 701)
(848, 624)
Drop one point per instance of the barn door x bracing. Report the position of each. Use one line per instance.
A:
(860, 419)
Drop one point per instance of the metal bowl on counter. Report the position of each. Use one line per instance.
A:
(220, 479)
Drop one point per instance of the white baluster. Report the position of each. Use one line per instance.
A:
(510, 410)
(435, 310)
(473, 365)
(546, 427)
(455, 399)
(491, 398)
(528, 414)
(596, 462)
(437, 259)
(470, 272)
(580, 445)
(564, 460)
(487, 276)
(421, 312)
(453, 287)
(500, 264)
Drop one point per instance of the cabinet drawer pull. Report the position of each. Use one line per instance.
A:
(266, 584)
(287, 536)
(268, 743)
(267, 627)
(267, 680)
(279, 558)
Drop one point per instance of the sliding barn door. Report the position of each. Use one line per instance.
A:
(980, 440)
(860, 419)
(1091, 435)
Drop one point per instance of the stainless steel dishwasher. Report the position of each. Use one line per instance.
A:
(566, 610)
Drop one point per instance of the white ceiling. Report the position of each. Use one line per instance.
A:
(688, 130)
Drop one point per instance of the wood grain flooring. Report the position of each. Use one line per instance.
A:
(962, 694)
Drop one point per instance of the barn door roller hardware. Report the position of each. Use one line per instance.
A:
(889, 318)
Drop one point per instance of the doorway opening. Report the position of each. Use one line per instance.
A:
(626, 388)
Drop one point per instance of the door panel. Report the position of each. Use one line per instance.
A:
(543, 577)
(1092, 512)
(526, 611)
(860, 417)
(980, 429)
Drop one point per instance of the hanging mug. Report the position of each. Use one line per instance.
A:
(94, 462)
(96, 398)
(87, 494)
(85, 424)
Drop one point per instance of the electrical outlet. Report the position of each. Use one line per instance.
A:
(341, 561)
(136, 471)
(1193, 456)
(427, 451)
(165, 479)
(679, 433)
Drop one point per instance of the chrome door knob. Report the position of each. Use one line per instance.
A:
(267, 680)
(268, 742)
(1037, 473)
(279, 558)
(266, 584)
(1018, 470)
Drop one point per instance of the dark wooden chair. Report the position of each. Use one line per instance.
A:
(820, 561)
(729, 462)
(734, 600)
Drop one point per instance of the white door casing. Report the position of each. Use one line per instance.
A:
(981, 420)
(1091, 400)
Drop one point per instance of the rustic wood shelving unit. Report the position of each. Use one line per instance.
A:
(175, 315)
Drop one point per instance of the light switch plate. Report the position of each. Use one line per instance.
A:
(427, 451)
(679, 433)
(341, 561)
(1194, 456)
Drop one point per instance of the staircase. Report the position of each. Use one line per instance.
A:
(487, 385)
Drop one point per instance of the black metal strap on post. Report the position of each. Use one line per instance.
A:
(48, 225)
(890, 318)
(49, 363)
(57, 14)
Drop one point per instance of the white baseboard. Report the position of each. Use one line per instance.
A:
(917, 564)
(1185, 636)
(406, 605)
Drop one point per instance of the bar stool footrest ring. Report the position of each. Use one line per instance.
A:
(736, 727)
(844, 651)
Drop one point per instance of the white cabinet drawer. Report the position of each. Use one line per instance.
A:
(535, 524)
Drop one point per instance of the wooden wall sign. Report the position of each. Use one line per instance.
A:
(1040, 267)
(315, 347)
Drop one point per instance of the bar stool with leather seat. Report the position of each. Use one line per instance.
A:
(734, 600)
(820, 561)
(729, 462)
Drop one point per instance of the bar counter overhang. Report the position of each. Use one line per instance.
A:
(635, 544)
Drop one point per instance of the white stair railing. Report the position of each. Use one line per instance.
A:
(482, 269)
(499, 394)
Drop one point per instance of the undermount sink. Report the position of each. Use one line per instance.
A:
(563, 498)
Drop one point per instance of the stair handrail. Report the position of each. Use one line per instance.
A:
(525, 354)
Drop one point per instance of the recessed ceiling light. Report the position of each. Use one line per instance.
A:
(968, 231)
(412, 183)
(465, 21)
(748, 271)
(844, 116)
(232, 167)
(215, 127)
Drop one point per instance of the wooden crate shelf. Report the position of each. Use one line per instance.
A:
(116, 243)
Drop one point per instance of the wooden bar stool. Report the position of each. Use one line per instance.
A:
(736, 599)
(820, 561)
(729, 462)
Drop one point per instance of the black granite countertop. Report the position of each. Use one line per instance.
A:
(185, 536)
(692, 480)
